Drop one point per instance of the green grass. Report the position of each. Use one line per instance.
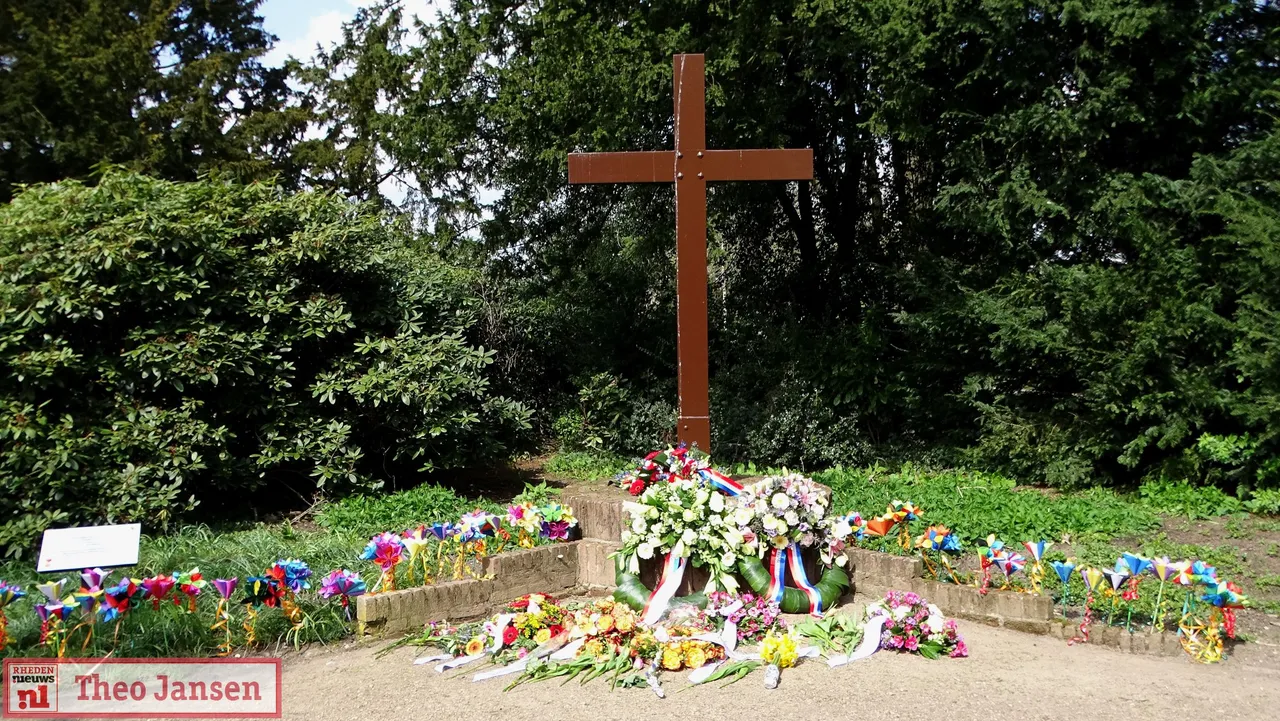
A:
(974, 504)
(584, 466)
(239, 552)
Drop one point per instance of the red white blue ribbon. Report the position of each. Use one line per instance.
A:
(721, 482)
(672, 574)
(777, 574)
(802, 581)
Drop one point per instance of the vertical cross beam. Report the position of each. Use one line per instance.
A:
(691, 252)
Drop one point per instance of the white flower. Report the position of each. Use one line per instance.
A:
(645, 551)
(701, 496)
(728, 559)
(637, 525)
(652, 512)
(780, 500)
(689, 536)
(657, 529)
(689, 516)
(792, 518)
(716, 503)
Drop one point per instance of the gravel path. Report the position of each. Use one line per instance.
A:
(1008, 675)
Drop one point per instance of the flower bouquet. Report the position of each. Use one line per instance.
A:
(674, 463)
(753, 616)
(782, 510)
(914, 625)
(606, 625)
(687, 520)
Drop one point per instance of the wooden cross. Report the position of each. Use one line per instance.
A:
(691, 166)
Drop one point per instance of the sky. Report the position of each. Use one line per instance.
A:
(302, 24)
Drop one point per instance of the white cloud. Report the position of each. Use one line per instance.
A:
(325, 29)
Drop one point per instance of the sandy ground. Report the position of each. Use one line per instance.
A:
(1008, 675)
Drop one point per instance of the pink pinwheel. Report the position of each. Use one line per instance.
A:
(1011, 563)
(157, 588)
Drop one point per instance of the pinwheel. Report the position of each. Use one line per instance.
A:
(92, 578)
(988, 556)
(1092, 578)
(117, 600)
(345, 585)
(189, 583)
(52, 590)
(904, 513)
(1036, 549)
(225, 587)
(386, 550)
(1136, 564)
(1204, 640)
(557, 521)
(555, 530)
(1163, 569)
(53, 620)
(415, 541)
(881, 525)
(442, 532)
(1010, 563)
(1116, 577)
(157, 588)
(939, 539)
(1204, 573)
(473, 528)
(8, 594)
(1064, 569)
(527, 522)
(87, 600)
(259, 591)
(291, 577)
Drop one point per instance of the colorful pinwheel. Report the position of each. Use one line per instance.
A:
(259, 591)
(189, 583)
(344, 584)
(904, 512)
(1064, 570)
(118, 600)
(52, 590)
(1163, 569)
(8, 594)
(1116, 577)
(1036, 549)
(415, 541)
(222, 615)
(92, 578)
(1011, 563)
(386, 550)
(291, 576)
(881, 525)
(157, 588)
(1093, 579)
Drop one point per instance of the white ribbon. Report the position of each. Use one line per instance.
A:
(428, 659)
(568, 651)
(459, 661)
(700, 674)
(672, 575)
(503, 671)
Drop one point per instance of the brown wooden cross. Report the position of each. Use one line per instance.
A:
(691, 166)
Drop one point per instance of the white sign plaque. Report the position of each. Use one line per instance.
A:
(68, 549)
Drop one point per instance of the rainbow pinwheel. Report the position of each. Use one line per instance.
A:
(92, 578)
(117, 600)
(190, 583)
(1204, 573)
(1036, 550)
(292, 574)
(259, 591)
(904, 513)
(555, 530)
(1011, 563)
(1136, 564)
(386, 550)
(1064, 570)
(8, 594)
(157, 588)
(415, 541)
(1183, 575)
(222, 615)
(1116, 576)
(477, 525)
(939, 539)
(1093, 579)
(86, 601)
(557, 521)
(52, 590)
(1163, 569)
(344, 584)
(1224, 595)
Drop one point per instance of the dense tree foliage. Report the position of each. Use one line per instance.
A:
(1045, 234)
(1041, 230)
(165, 344)
(173, 88)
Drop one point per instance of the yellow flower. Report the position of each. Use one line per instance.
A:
(672, 658)
(542, 636)
(605, 623)
(537, 598)
(594, 647)
(605, 605)
(695, 657)
(475, 646)
(779, 650)
(625, 621)
(521, 620)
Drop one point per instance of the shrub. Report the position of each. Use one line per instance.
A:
(165, 344)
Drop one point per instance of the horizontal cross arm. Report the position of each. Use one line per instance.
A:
(657, 166)
(759, 164)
